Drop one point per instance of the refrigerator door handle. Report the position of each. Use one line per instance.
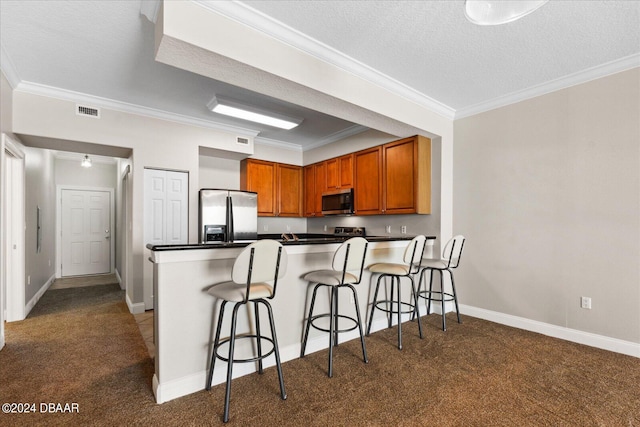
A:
(230, 232)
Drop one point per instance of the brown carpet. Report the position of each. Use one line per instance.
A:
(82, 346)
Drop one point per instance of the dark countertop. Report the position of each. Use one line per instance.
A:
(303, 239)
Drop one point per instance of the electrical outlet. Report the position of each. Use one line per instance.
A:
(388, 228)
(288, 228)
(585, 302)
(265, 227)
(28, 280)
(325, 228)
(403, 229)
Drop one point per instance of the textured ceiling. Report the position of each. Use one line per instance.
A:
(105, 49)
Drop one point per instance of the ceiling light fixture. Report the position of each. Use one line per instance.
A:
(487, 12)
(235, 109)
(86, 162)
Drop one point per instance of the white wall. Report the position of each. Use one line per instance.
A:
(39, 192)
(547, 192)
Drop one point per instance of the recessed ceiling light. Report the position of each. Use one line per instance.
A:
(240, 111)
(487, 12)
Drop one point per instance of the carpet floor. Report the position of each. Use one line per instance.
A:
(82, 346)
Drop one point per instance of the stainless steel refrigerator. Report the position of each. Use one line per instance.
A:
(227, 215)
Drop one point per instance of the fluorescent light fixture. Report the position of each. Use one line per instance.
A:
(487, 12)
(86, 162)
(235, 109)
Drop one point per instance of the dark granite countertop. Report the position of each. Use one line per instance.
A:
(303, 239)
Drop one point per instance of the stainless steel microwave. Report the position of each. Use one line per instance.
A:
(339, 202)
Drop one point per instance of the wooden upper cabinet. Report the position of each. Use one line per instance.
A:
(339, 172)
(289, 190)
(260, 176)
(368, 181)
(279, 186)
(315, 183)
(407, 176)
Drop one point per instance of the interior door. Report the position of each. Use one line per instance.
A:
(86, 233)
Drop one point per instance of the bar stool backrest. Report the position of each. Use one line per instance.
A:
(350, 257)
(453, 250)
(261, 261)
(414, 251)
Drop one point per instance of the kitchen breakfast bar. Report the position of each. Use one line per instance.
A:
(184, 313)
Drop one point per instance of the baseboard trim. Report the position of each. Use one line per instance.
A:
(592, 340)
(120, 282)
(136, 308)
(34, 300)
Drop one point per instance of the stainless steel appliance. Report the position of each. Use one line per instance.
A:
(338, 202)
(227, 215)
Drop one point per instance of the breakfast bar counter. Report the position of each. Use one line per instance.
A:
(184, 313)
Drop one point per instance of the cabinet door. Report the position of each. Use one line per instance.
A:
(368, 181)
(289, 191)
(399, 177)
(321, 185)
(260, 176)
(309, 191)
(333, 174)
(346, 171)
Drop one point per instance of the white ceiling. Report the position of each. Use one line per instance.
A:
(103, 52)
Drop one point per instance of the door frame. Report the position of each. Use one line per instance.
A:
(12, 292)
(59, 189)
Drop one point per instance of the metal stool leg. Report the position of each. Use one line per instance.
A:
(399, 315)
(216, 340)
(373, 306)
(455, 297)
(355, 299)
(258, 340)
(232, 343)
(283, 393)
(332, 328)
(416, 310)
(390, 302)
(306, 332)
(430, 292)
(444, 317)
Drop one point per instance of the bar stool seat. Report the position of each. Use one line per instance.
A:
(254, 278)
(412, 263)
(348, 265)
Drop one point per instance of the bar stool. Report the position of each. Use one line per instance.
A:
(412, 263)
(450, 259)
(347, 267)
(258, 265)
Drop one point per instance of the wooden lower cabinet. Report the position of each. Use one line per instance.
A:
(279, 186)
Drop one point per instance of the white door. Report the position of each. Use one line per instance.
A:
(86, 233)
(166, 211)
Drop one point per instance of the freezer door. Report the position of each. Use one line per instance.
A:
(244, 215)
(213, 210)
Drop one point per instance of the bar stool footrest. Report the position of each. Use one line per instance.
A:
(244, 336)
(387, 302)
(342, 316)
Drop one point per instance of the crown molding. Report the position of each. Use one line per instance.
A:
(8, 69)
(337, 136)
(96, 101)
(599, 71)
(257, 20)
(277, 144)
(150, 9)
